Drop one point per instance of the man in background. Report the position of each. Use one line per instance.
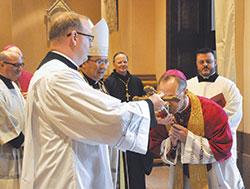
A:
(220, 89)
(93, 71)
(12, 115)
(94, 68)
(123, 85)
(69, 124)
(23, 80)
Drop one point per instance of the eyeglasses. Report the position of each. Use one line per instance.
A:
(91, 37)
(100, 61)
(17, 65)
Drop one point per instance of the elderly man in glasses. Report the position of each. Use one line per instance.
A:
(24, 79)
(94, 68)
(12, 116)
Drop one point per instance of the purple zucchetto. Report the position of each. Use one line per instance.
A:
(175, 73)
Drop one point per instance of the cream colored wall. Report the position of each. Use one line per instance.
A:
(160, 38)
(141, 35)
(239, 32)
(246, 66)
(5, 20)
(141, 31)
(242, 43)
(23, 24)
(121, 40)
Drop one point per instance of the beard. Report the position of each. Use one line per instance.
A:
(206, 72)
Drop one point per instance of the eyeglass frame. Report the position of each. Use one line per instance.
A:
(17, 65)
(105, 61)
(91, 37)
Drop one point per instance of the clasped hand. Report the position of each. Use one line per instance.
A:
(178, 133)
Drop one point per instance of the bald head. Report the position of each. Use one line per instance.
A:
(15, 49)
(173, 86)
(181, 83)
(10, 64)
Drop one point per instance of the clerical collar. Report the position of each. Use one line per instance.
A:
(66, 58)
(7, 82)
(56, 55)
(124, 78)
(211, 78)
(91, 82)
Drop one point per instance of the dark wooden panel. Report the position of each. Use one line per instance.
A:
(243, 162)
(188, 16)
(188, 29)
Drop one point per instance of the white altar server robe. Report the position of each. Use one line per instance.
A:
(70, 124)
(12, 114)
(233, 98)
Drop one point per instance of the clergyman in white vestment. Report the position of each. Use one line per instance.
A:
(12, 113)
(68, 123)
(211, 85)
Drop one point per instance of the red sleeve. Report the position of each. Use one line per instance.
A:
(157, 135)
(217, 130)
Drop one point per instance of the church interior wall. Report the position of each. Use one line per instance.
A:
(141, 31)
(242, 46)
(142, 27)
(246, 66)
(5, 18)
(142, 35)
(23, 24)
(160, 38)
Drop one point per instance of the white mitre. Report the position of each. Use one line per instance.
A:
(101, 41)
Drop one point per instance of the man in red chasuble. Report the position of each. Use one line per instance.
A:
(197, 142)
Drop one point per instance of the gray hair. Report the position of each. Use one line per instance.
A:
(7, 55)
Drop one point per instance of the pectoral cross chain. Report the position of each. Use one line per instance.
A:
(127, 95)
(126, 86)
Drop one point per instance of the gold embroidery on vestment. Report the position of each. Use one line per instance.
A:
(197, 172)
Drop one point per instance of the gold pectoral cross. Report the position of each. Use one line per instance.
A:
(126, 88)
(127, 96)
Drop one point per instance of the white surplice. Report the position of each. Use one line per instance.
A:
(68, 127)
(223, 175)
(233, 98)
(12, 114)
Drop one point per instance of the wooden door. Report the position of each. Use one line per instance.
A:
(188, 29)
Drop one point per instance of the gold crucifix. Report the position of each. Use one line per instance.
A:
(127, 96)
(126, 88)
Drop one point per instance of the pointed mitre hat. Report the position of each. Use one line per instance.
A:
(101, 41)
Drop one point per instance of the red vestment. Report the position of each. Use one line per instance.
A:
(216, 127)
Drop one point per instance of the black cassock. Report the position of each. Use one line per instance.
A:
(137, 164)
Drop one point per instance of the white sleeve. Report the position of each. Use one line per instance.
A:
(233, 107)
(165, 149)
(88, 115)
(196, 150)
